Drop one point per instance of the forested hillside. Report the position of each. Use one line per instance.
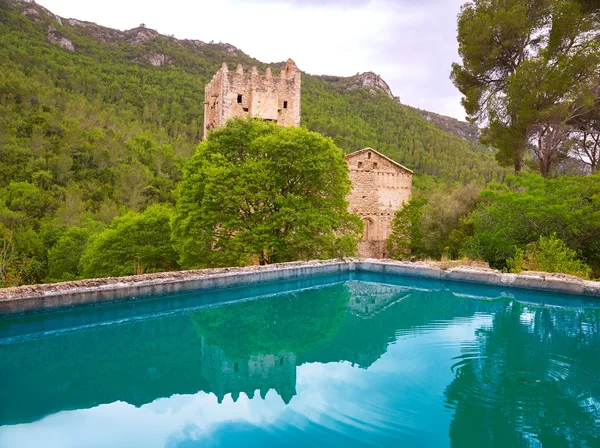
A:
(96, 122)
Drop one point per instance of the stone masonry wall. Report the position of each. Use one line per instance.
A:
(235, 94)
(379, 187)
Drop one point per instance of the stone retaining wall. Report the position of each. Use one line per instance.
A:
(36, 298)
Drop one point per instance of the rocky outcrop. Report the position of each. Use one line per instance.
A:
(158, 59)
(140, 35)
(370, 80)
(233, 51)
(32, 12)
(62, 41)
(373, 81)
(75, 22)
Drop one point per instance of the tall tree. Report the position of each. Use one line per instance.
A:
(529, 68)
(255, 191)
(585, 136)
(136, 243)
(495, 37)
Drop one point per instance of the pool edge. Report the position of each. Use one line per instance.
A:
(47, 297)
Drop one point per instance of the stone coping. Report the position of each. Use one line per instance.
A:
(45, 297)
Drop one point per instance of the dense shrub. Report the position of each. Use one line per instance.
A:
(133, 244)
(549, 254)
(528, 206)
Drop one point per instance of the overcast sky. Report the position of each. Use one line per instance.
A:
(410, 43)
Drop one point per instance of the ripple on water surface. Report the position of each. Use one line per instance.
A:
(356, 363)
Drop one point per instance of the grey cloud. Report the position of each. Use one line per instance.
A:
(415, 60)
(342, 3)
(311, 3)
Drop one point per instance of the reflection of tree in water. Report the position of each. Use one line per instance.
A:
(292, 322)
(532, 378)
(253, 345)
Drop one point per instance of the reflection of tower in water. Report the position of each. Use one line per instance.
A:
(258, 372)
(369, 299)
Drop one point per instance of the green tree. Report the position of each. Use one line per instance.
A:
(133, 244)
(255, 191)
(406, 238)
(528, 68)
(433, 226)
(494, 39)
(65, 255)
(444, 221)
(528, 206)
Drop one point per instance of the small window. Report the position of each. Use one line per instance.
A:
(236, 367)
(285, 104)
(368, 155)
(280, 361)
(374, 165)
(360, 164)
(239, 99)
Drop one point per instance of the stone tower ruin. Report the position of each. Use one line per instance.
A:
(235, 94)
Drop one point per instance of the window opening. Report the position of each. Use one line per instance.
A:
(368, 155)
(236, 367)
(280, 361)
(360, 164)
(285, 104)
(374, 165)
(239, 100)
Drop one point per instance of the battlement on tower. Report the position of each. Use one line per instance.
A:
(236, 94)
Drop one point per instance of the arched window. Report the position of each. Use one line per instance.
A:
(369, 229)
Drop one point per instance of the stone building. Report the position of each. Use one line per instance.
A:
(235, 94)
(379, 187)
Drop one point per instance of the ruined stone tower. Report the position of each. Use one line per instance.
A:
(235, 94)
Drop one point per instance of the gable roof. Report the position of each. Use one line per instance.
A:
(355, 153)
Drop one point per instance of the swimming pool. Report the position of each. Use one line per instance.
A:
(353, 358)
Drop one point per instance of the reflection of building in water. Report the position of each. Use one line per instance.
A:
(368, 299)
(259, 372)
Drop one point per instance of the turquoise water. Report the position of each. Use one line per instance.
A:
(348, 360)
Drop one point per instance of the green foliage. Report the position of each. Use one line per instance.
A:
(65, 255)
(257, 191)
(293, 323)
(435, 227)
(136, 243)
(528, 69)
(444, 221)
(406, 238)
(527, 207)
(15, 267)
(550, 254)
